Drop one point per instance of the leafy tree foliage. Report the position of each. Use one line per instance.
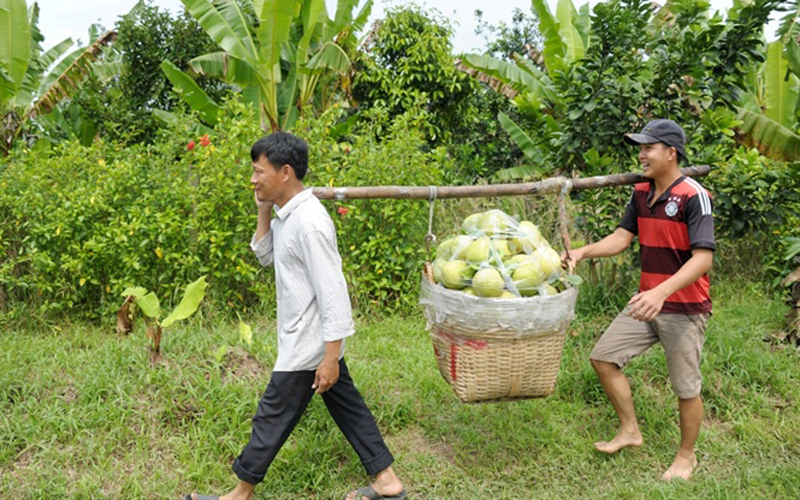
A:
(410, 53)
(147, 35)
(521, 37)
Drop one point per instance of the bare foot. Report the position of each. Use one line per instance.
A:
(621, 440)
(681, 468)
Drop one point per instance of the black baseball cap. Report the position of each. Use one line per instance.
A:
(666, 131)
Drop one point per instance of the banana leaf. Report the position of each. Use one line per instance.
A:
(769, 137)
(555, 49)
(68, 82)
(573, 42)
(190, 92)
(218, 28)
(781, 92)
(195, 292)
(15, 46)
(225, 67)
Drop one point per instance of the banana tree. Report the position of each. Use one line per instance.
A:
(148, 303)
(769, 109)
(277, 51)
(33, 81)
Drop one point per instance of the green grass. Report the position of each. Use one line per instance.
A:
(84, 415)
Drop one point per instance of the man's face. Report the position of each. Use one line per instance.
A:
(268, 183)
(656, 159)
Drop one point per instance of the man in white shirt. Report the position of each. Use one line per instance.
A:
(314, 317)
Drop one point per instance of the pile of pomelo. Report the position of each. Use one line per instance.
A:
(496, 256)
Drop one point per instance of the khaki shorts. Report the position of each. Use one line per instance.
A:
(681, 335)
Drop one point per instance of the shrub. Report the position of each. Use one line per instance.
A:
(80, 224)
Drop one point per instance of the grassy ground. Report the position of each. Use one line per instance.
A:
(84, 415)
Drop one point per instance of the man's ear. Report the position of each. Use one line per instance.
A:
(287, 172)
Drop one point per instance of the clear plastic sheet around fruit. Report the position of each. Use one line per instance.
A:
(495, 318)
(508, 261)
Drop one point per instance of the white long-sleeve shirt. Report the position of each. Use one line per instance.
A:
(313, 303)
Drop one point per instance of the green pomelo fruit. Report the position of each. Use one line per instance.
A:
(501, 247)
(493, 222)
(527, 277)
(518, 259)
(469, 291)
(528, 238)
(488, 282)
(507, 295)
(445, 249)
(455, 274)
(437, 266)
(470, 224)
(549, 261)
(548, 290)
(478, 251)
(460, 245)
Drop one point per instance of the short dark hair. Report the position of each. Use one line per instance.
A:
(283, 148)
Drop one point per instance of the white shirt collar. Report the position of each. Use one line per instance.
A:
(295, 202)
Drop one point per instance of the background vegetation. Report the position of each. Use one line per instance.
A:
(115, 174)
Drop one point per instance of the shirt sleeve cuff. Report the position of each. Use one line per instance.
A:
(704, 244)
(338, 330)
(263, 247)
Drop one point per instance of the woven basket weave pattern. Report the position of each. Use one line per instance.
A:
(497, 349)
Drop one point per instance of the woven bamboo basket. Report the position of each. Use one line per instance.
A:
(497, 349)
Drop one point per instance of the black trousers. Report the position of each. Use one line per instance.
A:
(281, 407)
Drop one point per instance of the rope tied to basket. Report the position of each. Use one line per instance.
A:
(563, 222)
(430, 238)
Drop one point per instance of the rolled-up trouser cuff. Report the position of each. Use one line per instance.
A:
(244, 475)
(378, 463)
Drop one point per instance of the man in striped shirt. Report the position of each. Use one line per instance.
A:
(672, 215)
(314, 318)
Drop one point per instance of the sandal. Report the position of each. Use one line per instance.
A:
(201, 497)
(370, 493)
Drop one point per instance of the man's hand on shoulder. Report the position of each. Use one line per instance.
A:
(327, 375)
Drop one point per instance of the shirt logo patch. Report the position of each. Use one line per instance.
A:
(671, 209)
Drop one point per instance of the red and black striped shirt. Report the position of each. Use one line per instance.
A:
(669, 229)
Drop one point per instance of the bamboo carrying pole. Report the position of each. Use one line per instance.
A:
(547, 186)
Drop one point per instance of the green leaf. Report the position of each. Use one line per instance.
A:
(195, 292)
(219, 28)
(792, 54)
(330, 56)
(768, 136)
(567, 19)
(522, 140)
(781, 95)
(149, 305)
(574, 279)
(245, 333)
(190, 92)
(554, 47)
(67, 79)
(136, 291)
(226, 67)
(220, 353)
(168, 118)
(521, 79)
(15, 46)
